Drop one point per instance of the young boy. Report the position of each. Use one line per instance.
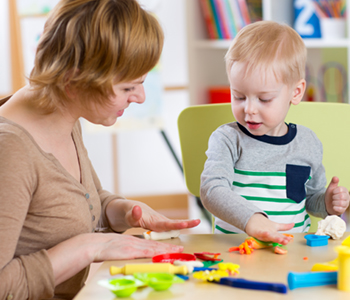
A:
(262, 175)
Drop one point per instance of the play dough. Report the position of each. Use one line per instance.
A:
(152, 235)
(333, 226)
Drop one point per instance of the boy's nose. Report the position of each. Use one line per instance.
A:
(249, 107)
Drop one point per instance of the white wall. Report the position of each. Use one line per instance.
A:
(5, 62)
(145, 164)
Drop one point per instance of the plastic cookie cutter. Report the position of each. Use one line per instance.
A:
(158, 281)
(346, 242)
(308, 279)
(179, 259)
(314, 240)
(148, 268)
(123, 286)
(171, 257)
(206, 256)
(213, 275)
(231, 268)
(327, 266)
(332, 265)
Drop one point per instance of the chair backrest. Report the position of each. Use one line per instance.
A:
(330, 122)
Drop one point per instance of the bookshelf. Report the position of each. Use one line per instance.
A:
(206, 56)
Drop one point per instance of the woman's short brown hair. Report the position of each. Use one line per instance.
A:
(90, 44)
(268, 45)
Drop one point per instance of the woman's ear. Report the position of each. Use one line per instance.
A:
(298, 92)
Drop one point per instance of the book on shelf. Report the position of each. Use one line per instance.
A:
(255, 10)
(220, 9)
(224, 18)
(215, 14)
(209, 19)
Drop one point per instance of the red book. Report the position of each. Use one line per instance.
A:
(209, 19)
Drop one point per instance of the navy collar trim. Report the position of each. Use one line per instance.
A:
(275, 140)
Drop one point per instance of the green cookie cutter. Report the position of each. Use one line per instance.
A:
(158, 281)
(122, 287)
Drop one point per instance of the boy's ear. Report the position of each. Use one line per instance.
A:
(298, 92)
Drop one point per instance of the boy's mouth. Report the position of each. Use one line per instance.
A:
(253, 125)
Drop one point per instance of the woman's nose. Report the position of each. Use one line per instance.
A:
(139, 95)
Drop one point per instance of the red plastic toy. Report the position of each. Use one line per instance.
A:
(205, 256)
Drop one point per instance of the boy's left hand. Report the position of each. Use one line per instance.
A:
(336, 198)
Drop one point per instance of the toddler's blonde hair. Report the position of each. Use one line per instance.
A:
(269, 46)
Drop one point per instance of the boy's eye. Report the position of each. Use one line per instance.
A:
(264, 100)
(238, 98)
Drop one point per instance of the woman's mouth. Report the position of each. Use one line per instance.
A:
(120, 113)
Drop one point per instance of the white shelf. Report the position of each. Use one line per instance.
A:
(322, 43)
(206, 57)
(309, 43)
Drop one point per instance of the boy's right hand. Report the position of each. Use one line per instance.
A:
(266, 230)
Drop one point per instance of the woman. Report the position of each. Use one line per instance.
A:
(91, 62)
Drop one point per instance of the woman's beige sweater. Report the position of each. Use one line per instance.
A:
(41, 205)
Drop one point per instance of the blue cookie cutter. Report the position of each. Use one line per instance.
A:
(314, 240)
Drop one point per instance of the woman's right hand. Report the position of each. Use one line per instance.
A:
(266, 230)
(71, 256)
(118, 246)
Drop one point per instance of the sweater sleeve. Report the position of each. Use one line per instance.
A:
(216, 182)
(27, 276)
(316, 187)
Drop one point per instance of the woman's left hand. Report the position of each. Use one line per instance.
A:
(141, 215)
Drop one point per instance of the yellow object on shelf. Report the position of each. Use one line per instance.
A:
(149, 268)
(343, 268)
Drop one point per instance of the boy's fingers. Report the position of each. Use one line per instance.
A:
(333, 184)
(285, 227)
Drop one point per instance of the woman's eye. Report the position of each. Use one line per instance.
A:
(129, 89)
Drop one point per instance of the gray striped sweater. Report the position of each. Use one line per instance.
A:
(281, 177)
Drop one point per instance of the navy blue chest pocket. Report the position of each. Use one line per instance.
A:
(296, 177)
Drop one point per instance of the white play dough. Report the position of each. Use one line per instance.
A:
(152, 235)
(333, 226)
(190, 264)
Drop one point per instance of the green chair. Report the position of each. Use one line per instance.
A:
(330, 122)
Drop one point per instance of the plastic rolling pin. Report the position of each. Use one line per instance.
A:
(307, 279)
(149, 268)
